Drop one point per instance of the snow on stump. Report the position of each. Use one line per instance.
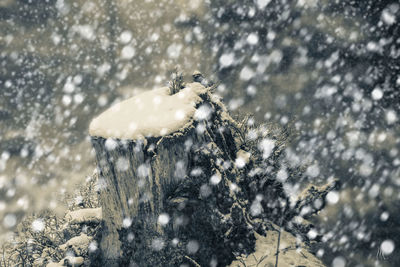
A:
(142, 150)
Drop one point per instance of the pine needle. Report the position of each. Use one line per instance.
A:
(177, 83)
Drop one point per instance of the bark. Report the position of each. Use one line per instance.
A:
(137, 178)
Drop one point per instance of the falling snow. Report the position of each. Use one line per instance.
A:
(326, 72)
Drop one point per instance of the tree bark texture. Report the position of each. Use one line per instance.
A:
(137, 176)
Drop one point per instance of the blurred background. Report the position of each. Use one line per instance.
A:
(328, 68)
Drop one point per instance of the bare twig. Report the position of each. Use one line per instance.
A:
(262, 258)
(277, 247)
(192, 261)
(288, 248)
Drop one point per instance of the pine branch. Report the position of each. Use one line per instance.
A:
(177, 82)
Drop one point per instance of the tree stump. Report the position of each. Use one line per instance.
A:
(182, 182)
(143, 149)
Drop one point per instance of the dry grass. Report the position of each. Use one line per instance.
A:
(36, 248)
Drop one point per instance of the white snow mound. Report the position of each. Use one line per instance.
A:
(84, 216)
(78, 242)
(153, 113)
(72, 261)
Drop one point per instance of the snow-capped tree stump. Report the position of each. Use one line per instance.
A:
(182, 182)
(142, 149)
